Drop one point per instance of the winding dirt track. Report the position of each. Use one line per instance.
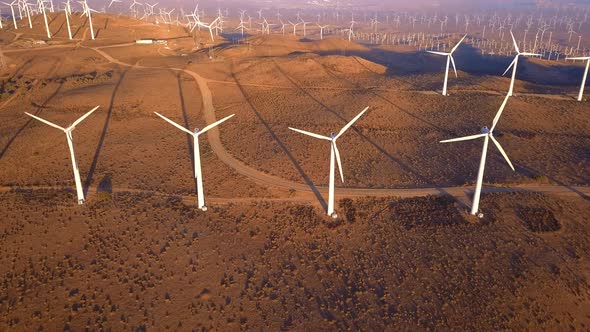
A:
(274, 181)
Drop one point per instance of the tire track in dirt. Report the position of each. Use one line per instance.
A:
(354, 193)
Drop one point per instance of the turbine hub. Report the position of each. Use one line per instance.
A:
(485, 130)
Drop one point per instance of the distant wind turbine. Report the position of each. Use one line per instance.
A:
(12, 10)
(209, 26)
(322, 31)
(450, 60)
(514, 64)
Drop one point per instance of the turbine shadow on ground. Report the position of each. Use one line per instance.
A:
(75, 34)
(189, 139)
(393, 159)
(292, 159)
(19, 71)
(37, 112)
(60, 28)
(407, 112)
(469, 60)
(103, 133)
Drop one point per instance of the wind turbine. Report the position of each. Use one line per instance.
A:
(294, 27)
(68, 131)
(42, 7)
(196, 154)
(587, 58)
(209, 26)
(486, 134)
(28, 13)
(68, 12)
(514, 64)
(450, 60)
(12, 10)
(304, 27)
(334, 155)
(322, 31)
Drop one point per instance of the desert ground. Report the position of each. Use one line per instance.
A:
(404, 253)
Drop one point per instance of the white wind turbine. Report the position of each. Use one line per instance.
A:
(87, 11)
(42, 8)
(450, 60)
(294, 27)
(322, 31)
(334, 156)
(304, 27)
(12, 10)
(486, 134)
(68, 131)
(68, 12)
(587, 58)
(209, 26)
(196, 154)
(28, 13)
(514, 64)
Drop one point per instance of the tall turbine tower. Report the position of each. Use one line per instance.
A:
(197, 154)
(587, 58)
(450, 60)
(68, 132)
(486, 134)
(334, 155)
(514, 64)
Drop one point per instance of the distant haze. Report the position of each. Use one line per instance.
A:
(371, 5)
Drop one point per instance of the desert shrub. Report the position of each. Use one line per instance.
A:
(104, 196)
(430, 211)
(347, 207)
(541, 179)
(539, 220)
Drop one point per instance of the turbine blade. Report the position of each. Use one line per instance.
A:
(175, 124)
(338, 160)
(459, 43)
(45, 121)
(579, 58)
(438, 53)
(497, 117)
(465, 138)
(453, 63)
(215, 124)
(511, 64)
(311, 134)
(502, 152)
(348, 125)
(82, 118)
(515, 43)
(530, 54)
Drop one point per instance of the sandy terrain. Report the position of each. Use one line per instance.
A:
(139, 255)
(133, 261)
